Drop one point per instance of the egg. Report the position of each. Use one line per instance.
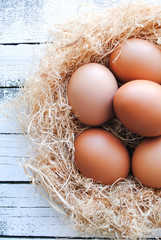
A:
(146, 162)
(136, 59)
(101, 156)
(90, 93)
(137, 105)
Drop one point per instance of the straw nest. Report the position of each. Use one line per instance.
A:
(125, 209)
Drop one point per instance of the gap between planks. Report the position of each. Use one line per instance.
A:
(21, 43)
(25, 212)
(52, 238)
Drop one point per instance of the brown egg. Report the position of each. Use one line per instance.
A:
(101, 156)
(90, 93)
(137, 105)
(146, 162)
(136, 59)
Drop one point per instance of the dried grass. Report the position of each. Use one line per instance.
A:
(125, 209)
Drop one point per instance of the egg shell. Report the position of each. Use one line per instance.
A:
(90, 93)
(136, 59)
(137, 105)
(146, 162)
(101, 156)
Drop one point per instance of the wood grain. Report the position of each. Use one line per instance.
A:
(11, 171)
(14, 146)
(29, 21)
(9, 124)
(26, 213)
(17, 63)
(8, 121)
(52, 238)
(8, 94)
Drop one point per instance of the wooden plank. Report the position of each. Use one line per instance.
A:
(17, 63)
(11, 170)
(29, 21)
(9, 124)
(25, 213)
(8, 121)
(12, 149)
(8, 94)
(14, 146)
(52, 238)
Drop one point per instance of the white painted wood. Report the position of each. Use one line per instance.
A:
(29, 21)
(16, 63)
(11, 170)
(13, 146)
(8, 94)
(9, 123)
(26, 213)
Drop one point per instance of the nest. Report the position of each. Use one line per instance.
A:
(125, 209)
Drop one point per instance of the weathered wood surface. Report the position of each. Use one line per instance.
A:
(16, 63)
(54, 238)
(13, 146)
(8, 122)
(26, 213)
(29, 21)
(11, 170)
(12, 149)
(51, 238)
(7, 94)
